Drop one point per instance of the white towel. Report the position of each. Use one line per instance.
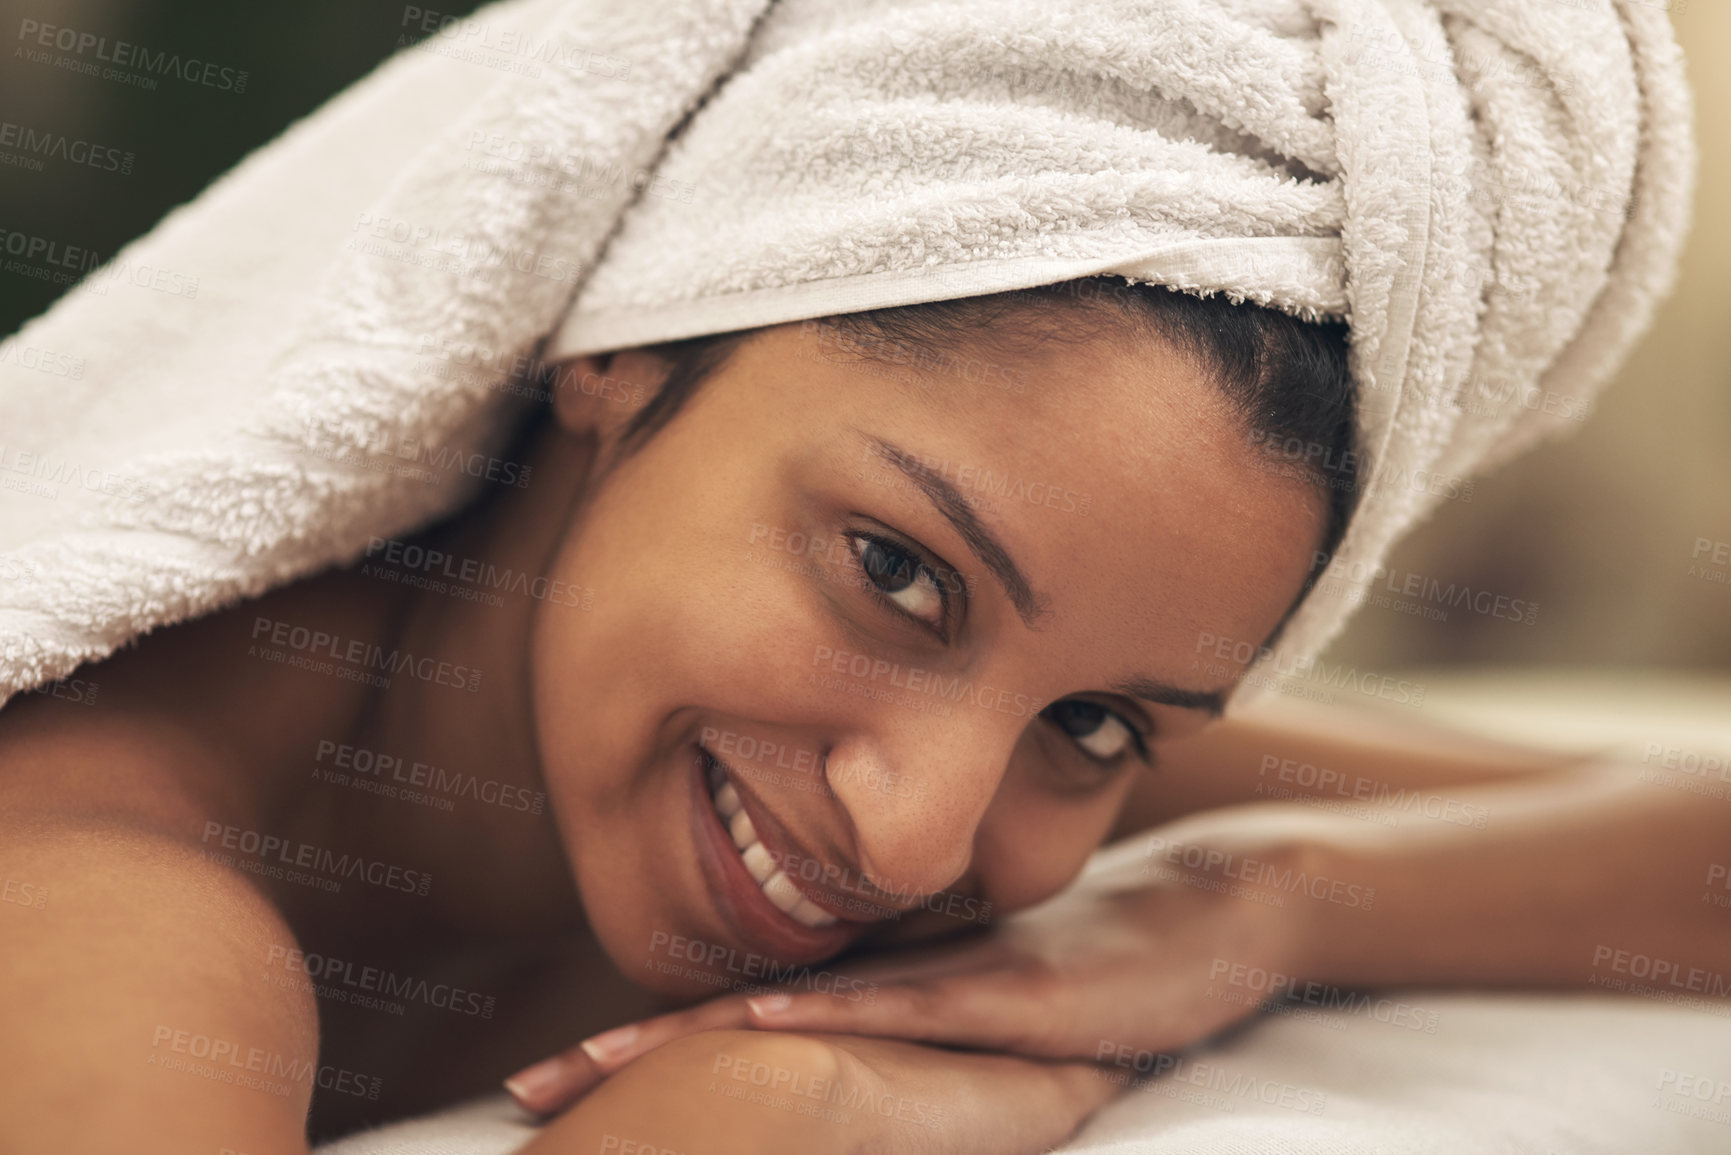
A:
(1450, 175)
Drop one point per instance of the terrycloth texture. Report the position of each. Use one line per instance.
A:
(315, 387)
(1451, 174)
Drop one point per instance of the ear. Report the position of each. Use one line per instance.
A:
(599, 394)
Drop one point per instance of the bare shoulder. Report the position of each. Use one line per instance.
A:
(137, 977)
(127, 977)
(189, 718)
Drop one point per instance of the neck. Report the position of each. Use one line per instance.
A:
(505, 863)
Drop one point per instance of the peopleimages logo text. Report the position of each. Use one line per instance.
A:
(306, 856)
(123, 54)
(59, 146)
(364, 655)
(865, 670)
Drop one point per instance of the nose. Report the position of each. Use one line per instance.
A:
(916, 788)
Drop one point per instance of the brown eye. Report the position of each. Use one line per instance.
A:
(902, 578)
(1099, 731)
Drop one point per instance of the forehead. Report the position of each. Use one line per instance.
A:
(1113, 470)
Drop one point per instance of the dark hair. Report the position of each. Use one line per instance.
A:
(1286, 379)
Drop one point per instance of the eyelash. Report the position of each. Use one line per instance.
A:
(1138, 740)
(923, 562)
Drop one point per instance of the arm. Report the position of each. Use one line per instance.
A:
(1335, 755)
(130, 1004)
(1491, 863)
(1569, 869)
(740, 1092)
(132, 1012)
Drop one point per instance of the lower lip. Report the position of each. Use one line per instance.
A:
(752, 916)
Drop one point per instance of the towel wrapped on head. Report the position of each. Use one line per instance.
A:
(1492, 192)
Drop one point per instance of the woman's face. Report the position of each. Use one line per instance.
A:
(921, 631)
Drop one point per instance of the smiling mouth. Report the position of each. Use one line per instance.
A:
(783, 893)
(742, 864)
(742, 900)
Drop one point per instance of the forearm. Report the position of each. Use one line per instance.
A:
(683, 1098)
(1339, 757)
(754, 1092)
(1568, 869)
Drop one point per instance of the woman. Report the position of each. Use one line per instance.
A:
(758, 674)
(711, 629)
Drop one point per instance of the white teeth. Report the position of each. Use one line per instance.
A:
(810, 913)
(782, 892)
(776, 885)
(788, 899)
(758, 861)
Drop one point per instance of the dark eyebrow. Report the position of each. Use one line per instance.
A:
(1029, 605)
(1213, 701)
(956, 509)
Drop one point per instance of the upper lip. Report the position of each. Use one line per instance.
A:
(783, 847)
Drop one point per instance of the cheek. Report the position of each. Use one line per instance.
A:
(685, 621)
(1033, 843)
(604, 680)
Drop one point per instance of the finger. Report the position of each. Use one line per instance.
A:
(550, 1084)
(553, 1084)
(997, 1010)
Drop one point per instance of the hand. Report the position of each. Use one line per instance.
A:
(1136, 967)
(764, 1092)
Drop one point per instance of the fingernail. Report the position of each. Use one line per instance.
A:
(767, 1005)
(532, 1085)
(610, 1045)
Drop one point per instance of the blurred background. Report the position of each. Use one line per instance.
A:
(1600, 528)
(1602, 531)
